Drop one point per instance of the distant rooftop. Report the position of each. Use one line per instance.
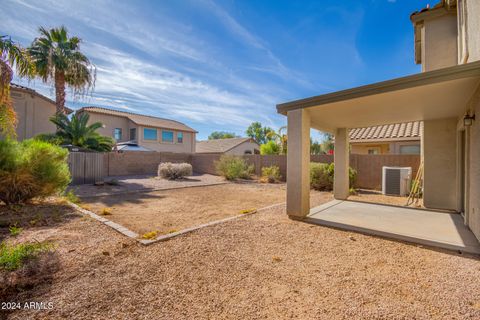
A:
(389, 132)
(143, 120)
(219, 145)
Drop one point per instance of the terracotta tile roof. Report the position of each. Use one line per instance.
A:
(148, 121)
(389, 132)
(219, 145)
(18, 87)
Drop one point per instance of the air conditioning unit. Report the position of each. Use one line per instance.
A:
(396, 180)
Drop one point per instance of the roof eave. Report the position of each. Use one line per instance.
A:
(451, 73)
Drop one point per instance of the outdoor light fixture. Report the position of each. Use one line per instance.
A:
(468, 120)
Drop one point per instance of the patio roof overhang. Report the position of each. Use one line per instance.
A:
(437, 94)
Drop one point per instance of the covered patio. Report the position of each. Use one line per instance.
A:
(441, 99)
(426, 227)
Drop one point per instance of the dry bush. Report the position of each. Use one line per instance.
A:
(174, 171)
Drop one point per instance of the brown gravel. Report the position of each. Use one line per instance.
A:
(174, 210)
(257, 267)
(377, 197)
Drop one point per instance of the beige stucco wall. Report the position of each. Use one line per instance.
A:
(188, 145)
(440, 164)
(439, 42)
(33, 113)
(384, 148)
(473, 29)
(362, 148)
(241, 148)
(473, 163)
(110, 123)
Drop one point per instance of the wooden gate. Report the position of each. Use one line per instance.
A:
(86, 168)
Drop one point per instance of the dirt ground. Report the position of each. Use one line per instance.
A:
(173, 210)
(377, 197)
(262, 266)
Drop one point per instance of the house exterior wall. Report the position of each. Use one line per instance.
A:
(440, 164)
(111, 122)
(472, 29)
(188, 145)
(473, 168)
(243, 147)
(33, 114)
(383, 148)
(439, 45)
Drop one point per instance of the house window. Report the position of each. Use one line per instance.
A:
(117, 134)
(149, 134)
(373, 151)
(248, 152)
(413, 149)
(167, 136)
(180, 137)
(133, 134)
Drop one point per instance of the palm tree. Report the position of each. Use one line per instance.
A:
(11, 55)
(57, 58)
(280, 137)
(77, 132)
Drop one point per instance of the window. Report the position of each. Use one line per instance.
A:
(373, 151)
(133, 134)
(413, 149)
(167, 136)
(180, 137)
(149, 134)
(117, 134)
(248, 152)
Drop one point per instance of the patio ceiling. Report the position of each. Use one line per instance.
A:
(430, 95)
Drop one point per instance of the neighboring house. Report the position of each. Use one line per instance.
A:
(156, 134)
(33, 112)
(398, 138)
(234, 146)
(445, 96)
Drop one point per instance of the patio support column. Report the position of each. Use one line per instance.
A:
(298, 164)
(341, 159)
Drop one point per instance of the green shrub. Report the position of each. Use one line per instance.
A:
(173, 171)
(232, 167)
(72, 197)
(13, 257)
(321, 176)
(269, 148)
(14, 230)
(271, 174)
(31, 169)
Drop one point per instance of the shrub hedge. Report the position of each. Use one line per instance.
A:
(173, 171)
(321, 176)
(233, 167)
(31, 169)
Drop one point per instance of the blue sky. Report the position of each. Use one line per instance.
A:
(221, 64)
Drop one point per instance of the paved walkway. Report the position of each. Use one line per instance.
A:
(432, 228)
(126, 184)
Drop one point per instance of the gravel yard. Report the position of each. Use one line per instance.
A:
(125, 184)
(173, 210)
(256, 267)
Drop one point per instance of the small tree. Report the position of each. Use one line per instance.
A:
(221, 135)
(269, 148)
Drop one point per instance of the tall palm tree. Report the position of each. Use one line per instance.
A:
(11, 55)
(57, 58)
(78, 132)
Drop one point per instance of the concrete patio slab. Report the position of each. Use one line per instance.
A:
(431, 228)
